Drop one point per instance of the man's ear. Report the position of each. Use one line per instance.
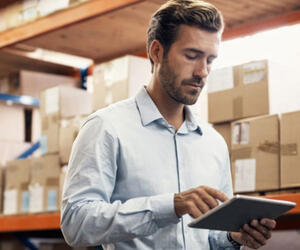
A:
(156, 52)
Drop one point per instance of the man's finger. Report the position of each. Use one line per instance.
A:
(259, 237)
(201, 205)
(216, 194)
(193, 210)
(207, 198)
(249, 241)
(268, 223)
(262, 229)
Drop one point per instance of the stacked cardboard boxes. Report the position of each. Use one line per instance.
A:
(31, 83)
(16, 193)
(255, 154)
(239, 98)
(252, 89)
(58, 104)
(290, 153)
(119, 79)
(44, 184)
(21, 12)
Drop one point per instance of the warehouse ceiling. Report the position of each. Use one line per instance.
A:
(123, 31)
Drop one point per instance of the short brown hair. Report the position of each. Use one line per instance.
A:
(165, 22)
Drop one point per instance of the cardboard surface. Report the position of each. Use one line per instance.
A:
(11, 150)
(225, 130)
(17, 177)
(12, 123)
(67, 134)
(11, 244)
(255, 154)
(66, 102)
(44, 183)
(50, 134)
(290, 155)
(119, 79)
(258, 90)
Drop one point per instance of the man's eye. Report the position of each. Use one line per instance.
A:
(210, 60)
(191, 57)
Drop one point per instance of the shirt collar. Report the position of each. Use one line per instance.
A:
(150, 113)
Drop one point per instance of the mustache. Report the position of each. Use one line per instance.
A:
(195, 80)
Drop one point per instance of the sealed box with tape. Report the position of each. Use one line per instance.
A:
(289, 153)
(252, 89)
(255, 154)
(16, 194)
(119, 79)
(44, 184)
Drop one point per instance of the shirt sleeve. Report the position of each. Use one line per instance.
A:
(88, 218)
(218, 239)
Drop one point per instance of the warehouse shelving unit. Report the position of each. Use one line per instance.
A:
(23, 100)
(96, 29)
(51, 221)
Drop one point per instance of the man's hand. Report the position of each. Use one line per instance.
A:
(255, 234)
(197, 201)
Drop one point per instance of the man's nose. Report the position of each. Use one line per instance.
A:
(201, 69)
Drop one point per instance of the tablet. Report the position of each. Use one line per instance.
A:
(240, 210)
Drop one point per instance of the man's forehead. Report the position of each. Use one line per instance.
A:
(192, 35)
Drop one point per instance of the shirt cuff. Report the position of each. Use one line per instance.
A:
(163, 209)
(226, 244)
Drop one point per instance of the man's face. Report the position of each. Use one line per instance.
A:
(184, 70)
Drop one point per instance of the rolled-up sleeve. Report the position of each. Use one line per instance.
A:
(88, 218)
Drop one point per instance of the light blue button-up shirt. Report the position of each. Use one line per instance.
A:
(126, 164)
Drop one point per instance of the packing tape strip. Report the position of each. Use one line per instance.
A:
(238, 107)
(290, 149)
(52, 181)
(242, 153)
(269, 147)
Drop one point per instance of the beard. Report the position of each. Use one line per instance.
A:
(168, 79)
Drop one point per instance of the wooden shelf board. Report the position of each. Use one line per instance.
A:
(61, 19)
(294, 197)
(30, 222)
(102, 30)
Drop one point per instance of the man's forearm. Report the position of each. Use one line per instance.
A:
(91, 223)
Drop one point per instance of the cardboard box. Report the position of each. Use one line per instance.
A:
(16, 194)
(57, 104)
(13, 15)
(290, 153)
(31, 83)
(255, 154)
(225, 130)
(119, 79)
(252, 89)
(12, 123)
(8, 243)
(44, 184)
(50, 134)
(65, 102)
(11, 150)
(67, 134)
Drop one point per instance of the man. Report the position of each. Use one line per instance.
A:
(141, 169)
